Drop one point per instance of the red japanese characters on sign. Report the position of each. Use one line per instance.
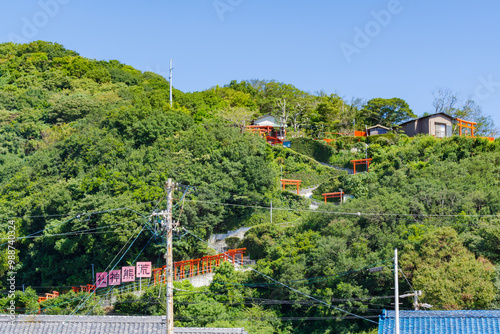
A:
(128, 274)
(101, 280)
(143, 269)
(114, 277)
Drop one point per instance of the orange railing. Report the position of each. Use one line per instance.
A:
(52, 295)
(195, 267)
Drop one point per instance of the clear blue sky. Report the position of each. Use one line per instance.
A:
(415, 46)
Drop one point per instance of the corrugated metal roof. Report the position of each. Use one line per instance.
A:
(49, 324)
(441, 322)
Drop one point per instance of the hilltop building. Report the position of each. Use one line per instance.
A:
(439, 125)
(267, 127)
(377, 130)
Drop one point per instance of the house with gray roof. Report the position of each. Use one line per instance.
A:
(439, 125)
(80, 324)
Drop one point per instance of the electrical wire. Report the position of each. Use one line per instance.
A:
(293, 289)
(110, 290)
(66, 214)
(343, 212)
(94, 291)
(79, 232)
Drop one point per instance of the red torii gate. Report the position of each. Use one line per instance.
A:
(467, 125)
(334, 195)
(361, 162)
(285, 182)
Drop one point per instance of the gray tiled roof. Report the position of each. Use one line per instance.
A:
(49, 324)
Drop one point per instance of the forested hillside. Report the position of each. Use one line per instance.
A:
(86, 147)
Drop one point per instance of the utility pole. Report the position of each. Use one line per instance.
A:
(170, 79)
(168, 256)
(166, 226)
(415, 295)
(396, 290)
(416, 304)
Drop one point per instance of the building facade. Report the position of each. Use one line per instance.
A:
(439, 125)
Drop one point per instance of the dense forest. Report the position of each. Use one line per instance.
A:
(86, 147)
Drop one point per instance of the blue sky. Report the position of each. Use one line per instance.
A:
(366, 49)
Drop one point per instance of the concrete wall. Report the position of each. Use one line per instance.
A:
(201, 280)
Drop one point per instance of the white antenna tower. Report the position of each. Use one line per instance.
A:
(170, 79)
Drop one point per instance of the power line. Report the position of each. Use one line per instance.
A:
(359, 213)
(94, 291)
(67, 214)
(290, 288)
(79, 232)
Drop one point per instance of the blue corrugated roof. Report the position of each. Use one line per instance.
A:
(441, 322)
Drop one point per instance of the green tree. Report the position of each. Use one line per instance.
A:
(449, 102)
(386, 112)
(239, 116)
(449, 275)
(72, 107)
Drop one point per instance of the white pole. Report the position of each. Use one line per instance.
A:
(170, 79)
(396, 290)
(271, 212)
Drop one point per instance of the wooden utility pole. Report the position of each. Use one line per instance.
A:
(168, 256)
(167, 228)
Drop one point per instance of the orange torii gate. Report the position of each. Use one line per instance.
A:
(467, 125)
(285, 182)
(260, 129)
(334, 195)
(361, 162)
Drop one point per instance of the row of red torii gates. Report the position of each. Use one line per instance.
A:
(195, 267)
(285, 182)
(182, 269)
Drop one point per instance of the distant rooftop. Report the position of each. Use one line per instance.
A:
(430, 115)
